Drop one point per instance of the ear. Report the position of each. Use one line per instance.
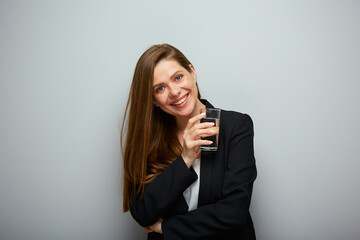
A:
(193, 72)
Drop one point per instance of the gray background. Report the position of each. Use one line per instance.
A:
(66, 67)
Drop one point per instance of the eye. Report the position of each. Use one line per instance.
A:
(178, 77)
(159, 89)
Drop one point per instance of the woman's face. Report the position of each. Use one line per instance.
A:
(175, 90)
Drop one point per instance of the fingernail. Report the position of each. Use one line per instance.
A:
(212, 131)
(211, 123)
(202, 113)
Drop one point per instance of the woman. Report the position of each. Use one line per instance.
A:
(172, 189)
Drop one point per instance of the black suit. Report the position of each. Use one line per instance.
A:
(226, 181)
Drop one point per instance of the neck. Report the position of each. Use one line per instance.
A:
(181, 122)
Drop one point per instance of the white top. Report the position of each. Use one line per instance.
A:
(191, 194)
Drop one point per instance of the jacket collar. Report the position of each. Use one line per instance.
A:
(206, 103)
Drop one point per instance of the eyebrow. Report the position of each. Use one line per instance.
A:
(171, 77)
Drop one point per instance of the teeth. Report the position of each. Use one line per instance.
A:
(180, 101)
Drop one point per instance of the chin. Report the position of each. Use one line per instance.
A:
(187, 112)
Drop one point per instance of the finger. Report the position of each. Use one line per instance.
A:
(194, 120)
(199, 133)
(204, 125)
(202, 142)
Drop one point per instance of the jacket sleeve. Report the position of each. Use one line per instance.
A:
(161, 193)
(232, 211)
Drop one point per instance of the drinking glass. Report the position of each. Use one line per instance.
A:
(211, 115)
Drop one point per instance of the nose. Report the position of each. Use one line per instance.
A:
(174, 89)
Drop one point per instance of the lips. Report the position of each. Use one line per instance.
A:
(180, 101)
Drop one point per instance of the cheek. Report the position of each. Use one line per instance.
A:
(160, 98)
(195, 88)
(189, 85)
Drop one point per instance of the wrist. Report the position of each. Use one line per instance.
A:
(188, 161)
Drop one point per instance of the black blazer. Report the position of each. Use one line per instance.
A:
(226, 182)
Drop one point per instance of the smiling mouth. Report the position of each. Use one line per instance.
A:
(180, 101)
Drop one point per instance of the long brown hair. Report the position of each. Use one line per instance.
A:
(151, 141)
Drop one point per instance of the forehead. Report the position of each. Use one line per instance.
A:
(164, 70)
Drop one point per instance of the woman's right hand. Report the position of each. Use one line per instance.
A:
(192, 138)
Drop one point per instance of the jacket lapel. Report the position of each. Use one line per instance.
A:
(205, 177)
(205, 171)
